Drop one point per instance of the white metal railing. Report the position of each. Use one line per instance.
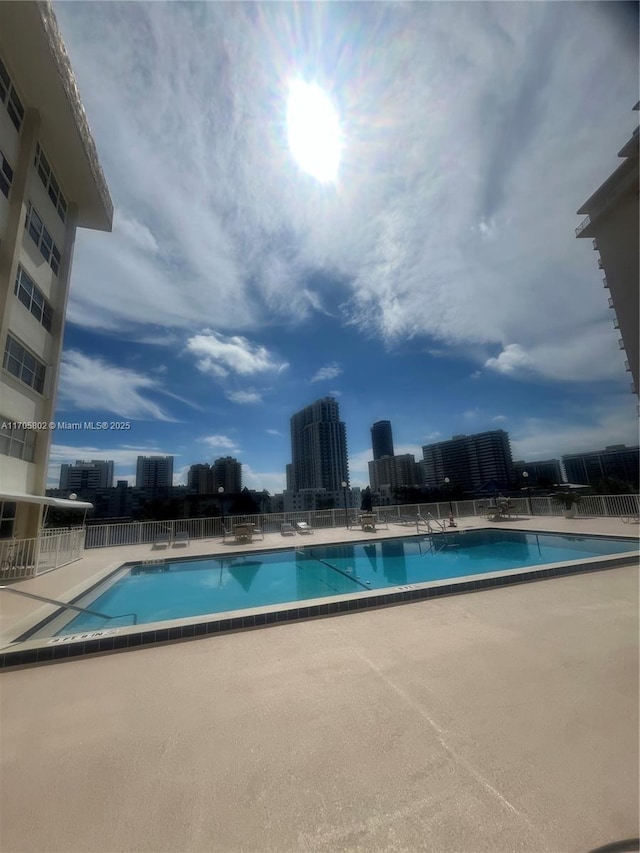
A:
(586, 221)
(25, 558)
(146, 532)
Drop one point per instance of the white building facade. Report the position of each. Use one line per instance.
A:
(51, 184)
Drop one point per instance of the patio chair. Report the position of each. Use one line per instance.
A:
(630, 519)
(303, 527)
(287, 530)
(257, 531)
(162, 540)
(181, 536)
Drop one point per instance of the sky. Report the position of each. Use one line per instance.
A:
(436, 282)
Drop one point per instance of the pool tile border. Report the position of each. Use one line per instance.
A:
(97, 642)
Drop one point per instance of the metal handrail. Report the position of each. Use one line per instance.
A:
(68, 606)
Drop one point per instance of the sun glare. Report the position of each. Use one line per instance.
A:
(313, 130)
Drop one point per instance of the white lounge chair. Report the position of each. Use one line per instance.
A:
(303, 527)
(181, 536)
(287, 530)
(162, 540)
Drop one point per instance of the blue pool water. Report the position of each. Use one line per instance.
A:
(174, 590)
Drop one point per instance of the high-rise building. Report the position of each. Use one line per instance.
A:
(393, 471)
(319, 447)
(612, 222)
(155, 474)
(200, 479)
(227, 472)
(97, 474)
(381, 439)
(51, 184)
(616, 462)
(545, 471)
(470, 461)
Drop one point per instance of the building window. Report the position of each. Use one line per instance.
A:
(6, 175)
(23, 365)
(9, 97)
(42, 238)
(7, 518)
(50, 183)
(19, 443)
(33, 299)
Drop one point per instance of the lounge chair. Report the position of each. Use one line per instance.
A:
(257, 531)
(162, 540)
(630, 519)
(181, 536)
(303, 527)
(287, 530)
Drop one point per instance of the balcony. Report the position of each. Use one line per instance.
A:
(600, 265)
(595, 244)
(605, 283)
(610, 301)
(620, 343)
(584, 224)
(627, 366)
(616, 323)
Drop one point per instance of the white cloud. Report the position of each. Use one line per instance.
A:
(220, 442)
(90, 383)
(609, 422)
(329, 371)
(221, 356)
(273, 432)
(499, 418)
(244, 397)
(273, 481)
(512, 359)
(230, 233)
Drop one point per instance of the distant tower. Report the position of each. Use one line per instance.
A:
(227, 472)
(319, 447)
(154, 473)
(382, 439)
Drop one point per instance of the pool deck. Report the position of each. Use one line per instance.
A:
(505, 720)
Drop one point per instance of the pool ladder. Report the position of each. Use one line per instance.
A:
(68, 606)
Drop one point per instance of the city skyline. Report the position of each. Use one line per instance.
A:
(436, 283)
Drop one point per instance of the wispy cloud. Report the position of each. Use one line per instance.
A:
(244, 397)
(273, 432)
(222, 356)
(329, 371)
(220, 442)
(234, 233)
(90, 383)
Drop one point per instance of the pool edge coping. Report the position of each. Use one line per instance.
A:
(102, 641)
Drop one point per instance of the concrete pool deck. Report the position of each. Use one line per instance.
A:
(502, 721)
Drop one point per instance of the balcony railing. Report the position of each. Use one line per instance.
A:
(627, 366)
(616, 323)
(600, 264)
(595, 244)
(620, 343)
(585, 222)
(610, 302)
(605, 283)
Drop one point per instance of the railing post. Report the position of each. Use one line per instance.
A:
(603, 501)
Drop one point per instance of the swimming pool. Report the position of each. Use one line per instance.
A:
(164, 590)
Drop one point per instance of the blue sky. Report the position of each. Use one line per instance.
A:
(436, 283)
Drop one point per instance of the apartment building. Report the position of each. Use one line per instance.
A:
(155, 474)
(227, 474)
(469, 462)
(616, 462)
(393, 471)
(318, 448)
(97, 474)
(51, 184)
(545, 471)
(612, 223)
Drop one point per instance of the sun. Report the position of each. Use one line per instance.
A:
(313, 130)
